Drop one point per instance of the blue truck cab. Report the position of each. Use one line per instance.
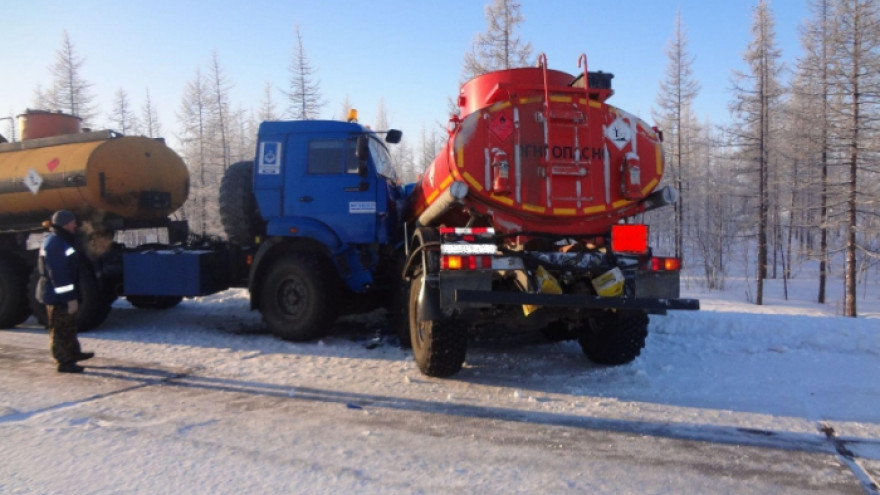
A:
(314, 230)
(331, 203)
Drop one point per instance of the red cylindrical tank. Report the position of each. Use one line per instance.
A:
(34, 124)
(540, 153)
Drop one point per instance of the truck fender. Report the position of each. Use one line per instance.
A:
(428, 257)
(429, 300)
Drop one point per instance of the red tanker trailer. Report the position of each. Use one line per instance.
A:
(519, 222)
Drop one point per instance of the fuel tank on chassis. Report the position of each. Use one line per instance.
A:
(92, 174)
(541, 151)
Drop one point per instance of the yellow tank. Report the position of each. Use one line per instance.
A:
(97, 175)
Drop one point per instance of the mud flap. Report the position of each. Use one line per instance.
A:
(429, 300)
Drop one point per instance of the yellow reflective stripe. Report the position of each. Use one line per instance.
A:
(502, 199)
(650, 186)
(64, 289)
(470, 180)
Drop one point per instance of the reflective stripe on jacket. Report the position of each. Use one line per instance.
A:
(57, 265)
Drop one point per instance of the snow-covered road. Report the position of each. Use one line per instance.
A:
(197, 399)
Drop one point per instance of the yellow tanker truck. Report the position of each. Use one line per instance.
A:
(110, 181)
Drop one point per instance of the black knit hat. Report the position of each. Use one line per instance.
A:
(62, 217)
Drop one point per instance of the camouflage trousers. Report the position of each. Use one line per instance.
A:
(62, 335)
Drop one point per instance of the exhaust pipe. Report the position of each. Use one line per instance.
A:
(660, 198)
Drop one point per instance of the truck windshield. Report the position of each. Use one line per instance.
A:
(382, 159)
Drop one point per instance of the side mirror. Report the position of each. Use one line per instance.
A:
(393, 136)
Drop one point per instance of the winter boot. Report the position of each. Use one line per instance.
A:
(84, 355)
(70, 368)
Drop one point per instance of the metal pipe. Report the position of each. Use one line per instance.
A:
(662, 197)
(456, 192)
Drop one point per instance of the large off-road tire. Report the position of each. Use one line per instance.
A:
(439, 346)
(238, 207)
(94, 304)
(154, 302)
(14, 307)
(295, 299)
(614, 337)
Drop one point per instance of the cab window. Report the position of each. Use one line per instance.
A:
(332, 156)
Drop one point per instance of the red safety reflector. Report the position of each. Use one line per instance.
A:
(447, 230)
(629, 239)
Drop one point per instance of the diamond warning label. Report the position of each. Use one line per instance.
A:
(501, 126)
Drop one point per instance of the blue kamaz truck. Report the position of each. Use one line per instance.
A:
(312, 225)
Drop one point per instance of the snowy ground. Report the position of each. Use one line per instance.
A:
(198, 399)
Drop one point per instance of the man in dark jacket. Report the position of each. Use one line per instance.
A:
(58, 266)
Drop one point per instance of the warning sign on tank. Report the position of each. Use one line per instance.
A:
(619, 132)
(33, 181)
(501, 126)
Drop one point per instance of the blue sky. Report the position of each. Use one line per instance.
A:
(409, 53)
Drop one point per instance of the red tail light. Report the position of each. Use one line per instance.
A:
(629, 239)
(465, 262)
(659, 264)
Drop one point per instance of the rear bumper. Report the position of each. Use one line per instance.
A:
(649, 305)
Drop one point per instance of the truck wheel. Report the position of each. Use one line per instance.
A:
(614, 337)
(439, 346)
(13, 300)
(238, 208)
(94, 305)
(154, 302)
(295, 300)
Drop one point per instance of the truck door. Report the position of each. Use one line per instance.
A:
(330, 190)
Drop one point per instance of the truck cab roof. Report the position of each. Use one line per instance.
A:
(309, 126)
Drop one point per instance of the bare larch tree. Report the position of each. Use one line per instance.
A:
(303, 94)
(500, 46)
(756, 101)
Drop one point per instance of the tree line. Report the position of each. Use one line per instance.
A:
(792, 178)
(795, 173)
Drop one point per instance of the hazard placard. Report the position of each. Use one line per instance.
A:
(33, 181)
(501, 126)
